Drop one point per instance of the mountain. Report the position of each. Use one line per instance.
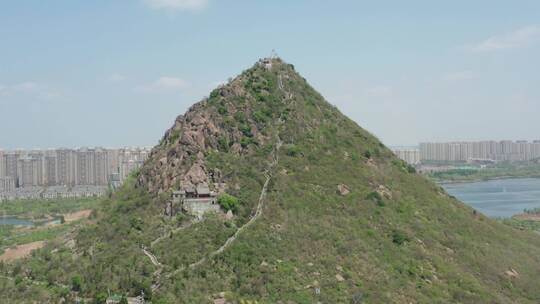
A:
(320, 212)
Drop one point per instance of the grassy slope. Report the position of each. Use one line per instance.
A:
(500, 170)
(420, 245)
(417, 246)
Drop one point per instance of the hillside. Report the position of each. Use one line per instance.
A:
(323, 212)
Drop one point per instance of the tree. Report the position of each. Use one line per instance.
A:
(228, 202)
(76, 283)
(123, 300)
(101, 298)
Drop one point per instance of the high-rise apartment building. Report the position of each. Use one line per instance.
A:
(10, 164)
(485, 150)
(410, 155)
(2, 164)
(69, 167)
(66, 169)
(7, 184)
(101, 167)
(50, 175)
(29, 171)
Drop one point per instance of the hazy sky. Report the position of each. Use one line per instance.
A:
(115, 73)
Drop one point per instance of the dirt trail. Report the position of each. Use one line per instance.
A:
(174, 231)
(74, 216)
(20, 251)
(152, 257)
(260, 205)
(258, 213)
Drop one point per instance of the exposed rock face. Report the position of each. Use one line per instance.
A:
(204, 128)
(512, 273)
(196, 174)
(343, 189)
(384, 191)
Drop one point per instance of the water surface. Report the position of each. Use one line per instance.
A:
(10, 220)
(499, 198)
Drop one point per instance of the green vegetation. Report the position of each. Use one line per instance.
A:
(522, 224)
(42, 211)
(396, 237)
(499, 170)
(16, 236)
(228, 202)
(39, 208)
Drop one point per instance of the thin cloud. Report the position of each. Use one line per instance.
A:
(379, 91)
(180, 5)
(29, 88)
(166, 83)
(116, 78)
(459, 76)
(519, 38)
(171, 83)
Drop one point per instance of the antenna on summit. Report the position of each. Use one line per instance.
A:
(273, 55)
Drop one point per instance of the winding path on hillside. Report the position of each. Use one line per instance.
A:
(152, 257)
(260, 205)
(174, 231)
(258, 213)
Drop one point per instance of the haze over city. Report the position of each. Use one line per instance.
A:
(117, 73)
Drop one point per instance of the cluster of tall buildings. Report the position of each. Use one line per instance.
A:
(481, 150)
(68, 167)
(505, 150)
(409, 154)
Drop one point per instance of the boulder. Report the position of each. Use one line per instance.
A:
(343, 189)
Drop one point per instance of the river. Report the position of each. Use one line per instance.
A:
(498, 198)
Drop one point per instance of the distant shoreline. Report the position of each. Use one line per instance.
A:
(477, 180)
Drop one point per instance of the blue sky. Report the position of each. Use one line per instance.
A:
(116, 73)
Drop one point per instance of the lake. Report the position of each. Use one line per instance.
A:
(12, 220)
(9, 220)
(498, 198)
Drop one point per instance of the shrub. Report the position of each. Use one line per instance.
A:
(367, 154)
(240, 117)
(399, 237)
(223, 143)
(246, 130)
(228, 202)
(376, 197)
(246, 141)
(292, 150)
(101, 298)
(222, 110)
(260, 116)
(76, 283)
(214, 94)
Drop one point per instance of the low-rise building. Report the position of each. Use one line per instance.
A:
(195, 201)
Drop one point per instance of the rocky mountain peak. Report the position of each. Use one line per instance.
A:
(234, 119)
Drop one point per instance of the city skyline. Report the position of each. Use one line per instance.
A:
(465, 151)
(68, 167)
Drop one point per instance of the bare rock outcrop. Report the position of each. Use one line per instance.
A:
(343, 189)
